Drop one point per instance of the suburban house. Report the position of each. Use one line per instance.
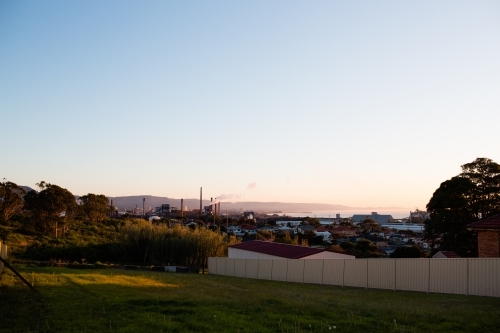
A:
(488, 236)
(305, 228)
(446, 254)
(269, 250)
(249, 229)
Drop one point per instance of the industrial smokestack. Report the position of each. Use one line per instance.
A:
(182, 207)
(211, 204)
(143, 204)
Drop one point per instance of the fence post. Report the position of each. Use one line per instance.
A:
(467, 281)
(429, 276)
(322, 271)
(258, 262)
(343, 274)
(366, 274)
(395, 274)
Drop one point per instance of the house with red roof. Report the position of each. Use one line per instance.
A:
(269, 250)
(488, 236)
(446, 255)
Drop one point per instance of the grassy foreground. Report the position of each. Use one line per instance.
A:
(131, 301)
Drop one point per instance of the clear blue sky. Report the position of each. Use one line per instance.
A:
(366, 103)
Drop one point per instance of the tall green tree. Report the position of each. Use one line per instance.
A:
(95, 207)
(51, 208)
(484, 174)
(11, 200)
(368, 226)
(472, 195)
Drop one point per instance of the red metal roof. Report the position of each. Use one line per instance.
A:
(492, 222)
(450, 254)
(277, 249)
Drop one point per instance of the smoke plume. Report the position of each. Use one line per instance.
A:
(235, 197)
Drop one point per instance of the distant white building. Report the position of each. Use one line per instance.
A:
(405, 226)
(379, 218)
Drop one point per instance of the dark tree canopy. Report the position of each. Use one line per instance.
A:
(50, 207)
(369, 225)
(11, 200)
(95, 207)
(408, 252)
(311, 221)
(472, 195)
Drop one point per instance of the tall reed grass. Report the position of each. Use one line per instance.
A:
(160, 245)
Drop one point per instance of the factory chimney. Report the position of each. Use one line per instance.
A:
(201, 198)
(182, 207)
(143, 204)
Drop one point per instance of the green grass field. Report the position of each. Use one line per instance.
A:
(135, 301)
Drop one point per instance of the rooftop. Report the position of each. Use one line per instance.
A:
(277, 249)
(448, 254)
(492, 222)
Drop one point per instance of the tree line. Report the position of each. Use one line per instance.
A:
(71, 229)
(52, 208)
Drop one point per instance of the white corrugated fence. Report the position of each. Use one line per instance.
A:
(466, 276)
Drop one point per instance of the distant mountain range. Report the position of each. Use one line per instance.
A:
(26, 188)
(130, 202)
(153, 201)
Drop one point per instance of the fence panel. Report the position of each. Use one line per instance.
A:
(381, 274)
(355, 273)
(448, 276)
(252, 268)
(221, 266)
(240, 267)
(295, 270)
(333, 272)
(313, 271)
(484, 277)
(474, 276)
(265, 269)
(412, 274)
(212, 265)
(230, 267)
(280, 269)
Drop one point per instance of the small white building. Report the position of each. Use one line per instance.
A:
(270, 250)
